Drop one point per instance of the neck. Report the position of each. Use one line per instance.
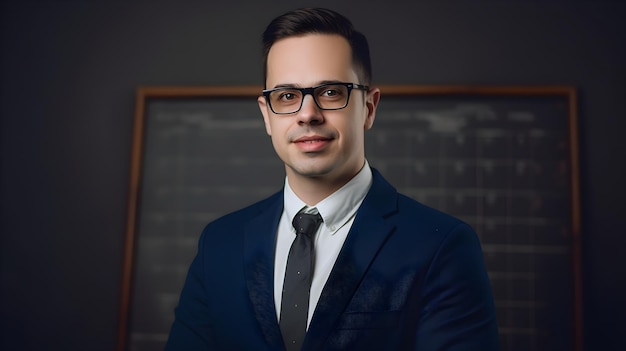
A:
(312, 190)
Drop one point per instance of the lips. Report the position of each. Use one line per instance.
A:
(312, 143)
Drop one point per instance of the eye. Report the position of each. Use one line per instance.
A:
(330, 92)
(286, 96)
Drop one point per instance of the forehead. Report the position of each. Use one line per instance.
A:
(310, 59)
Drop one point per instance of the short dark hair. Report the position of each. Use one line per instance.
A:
(323, 21)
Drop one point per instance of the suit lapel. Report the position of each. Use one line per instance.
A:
(368, 233)
(259, 243)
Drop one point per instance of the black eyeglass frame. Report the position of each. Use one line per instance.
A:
(310, 91)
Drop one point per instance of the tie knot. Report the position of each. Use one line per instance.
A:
(306, 223)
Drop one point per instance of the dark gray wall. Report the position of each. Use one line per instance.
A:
(68, 73)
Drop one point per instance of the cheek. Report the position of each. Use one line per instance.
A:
(277, 131)
(352, 133)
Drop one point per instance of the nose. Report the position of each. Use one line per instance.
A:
(309, 112)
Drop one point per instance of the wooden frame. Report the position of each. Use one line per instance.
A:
(144, 94)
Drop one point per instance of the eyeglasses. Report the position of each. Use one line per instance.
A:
(329, 96)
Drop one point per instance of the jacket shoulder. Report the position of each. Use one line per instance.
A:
(404, 210)
(410, 207)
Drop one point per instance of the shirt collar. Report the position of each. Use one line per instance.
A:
(339, 207)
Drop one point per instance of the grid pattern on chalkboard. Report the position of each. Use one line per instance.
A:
(202, 159)
(503, 166)
(500, 164)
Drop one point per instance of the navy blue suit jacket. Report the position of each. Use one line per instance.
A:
(407, 278)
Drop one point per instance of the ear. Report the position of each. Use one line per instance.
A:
(265, 112)
(371, 103)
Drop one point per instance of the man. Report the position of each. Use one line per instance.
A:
(385, 272)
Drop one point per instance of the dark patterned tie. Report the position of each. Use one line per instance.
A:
(297, 284)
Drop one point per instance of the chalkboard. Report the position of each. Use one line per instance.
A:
(504, 159)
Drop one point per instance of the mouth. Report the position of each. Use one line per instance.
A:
(312, 143)
(311, 139)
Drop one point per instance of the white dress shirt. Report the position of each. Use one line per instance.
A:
(338, 211)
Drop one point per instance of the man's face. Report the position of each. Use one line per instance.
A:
(313, 143)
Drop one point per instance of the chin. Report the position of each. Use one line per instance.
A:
(313, 171)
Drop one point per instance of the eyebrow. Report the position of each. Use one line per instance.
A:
(288, 85)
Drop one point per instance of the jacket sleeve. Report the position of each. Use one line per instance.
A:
(458, 311)
(191, 329)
